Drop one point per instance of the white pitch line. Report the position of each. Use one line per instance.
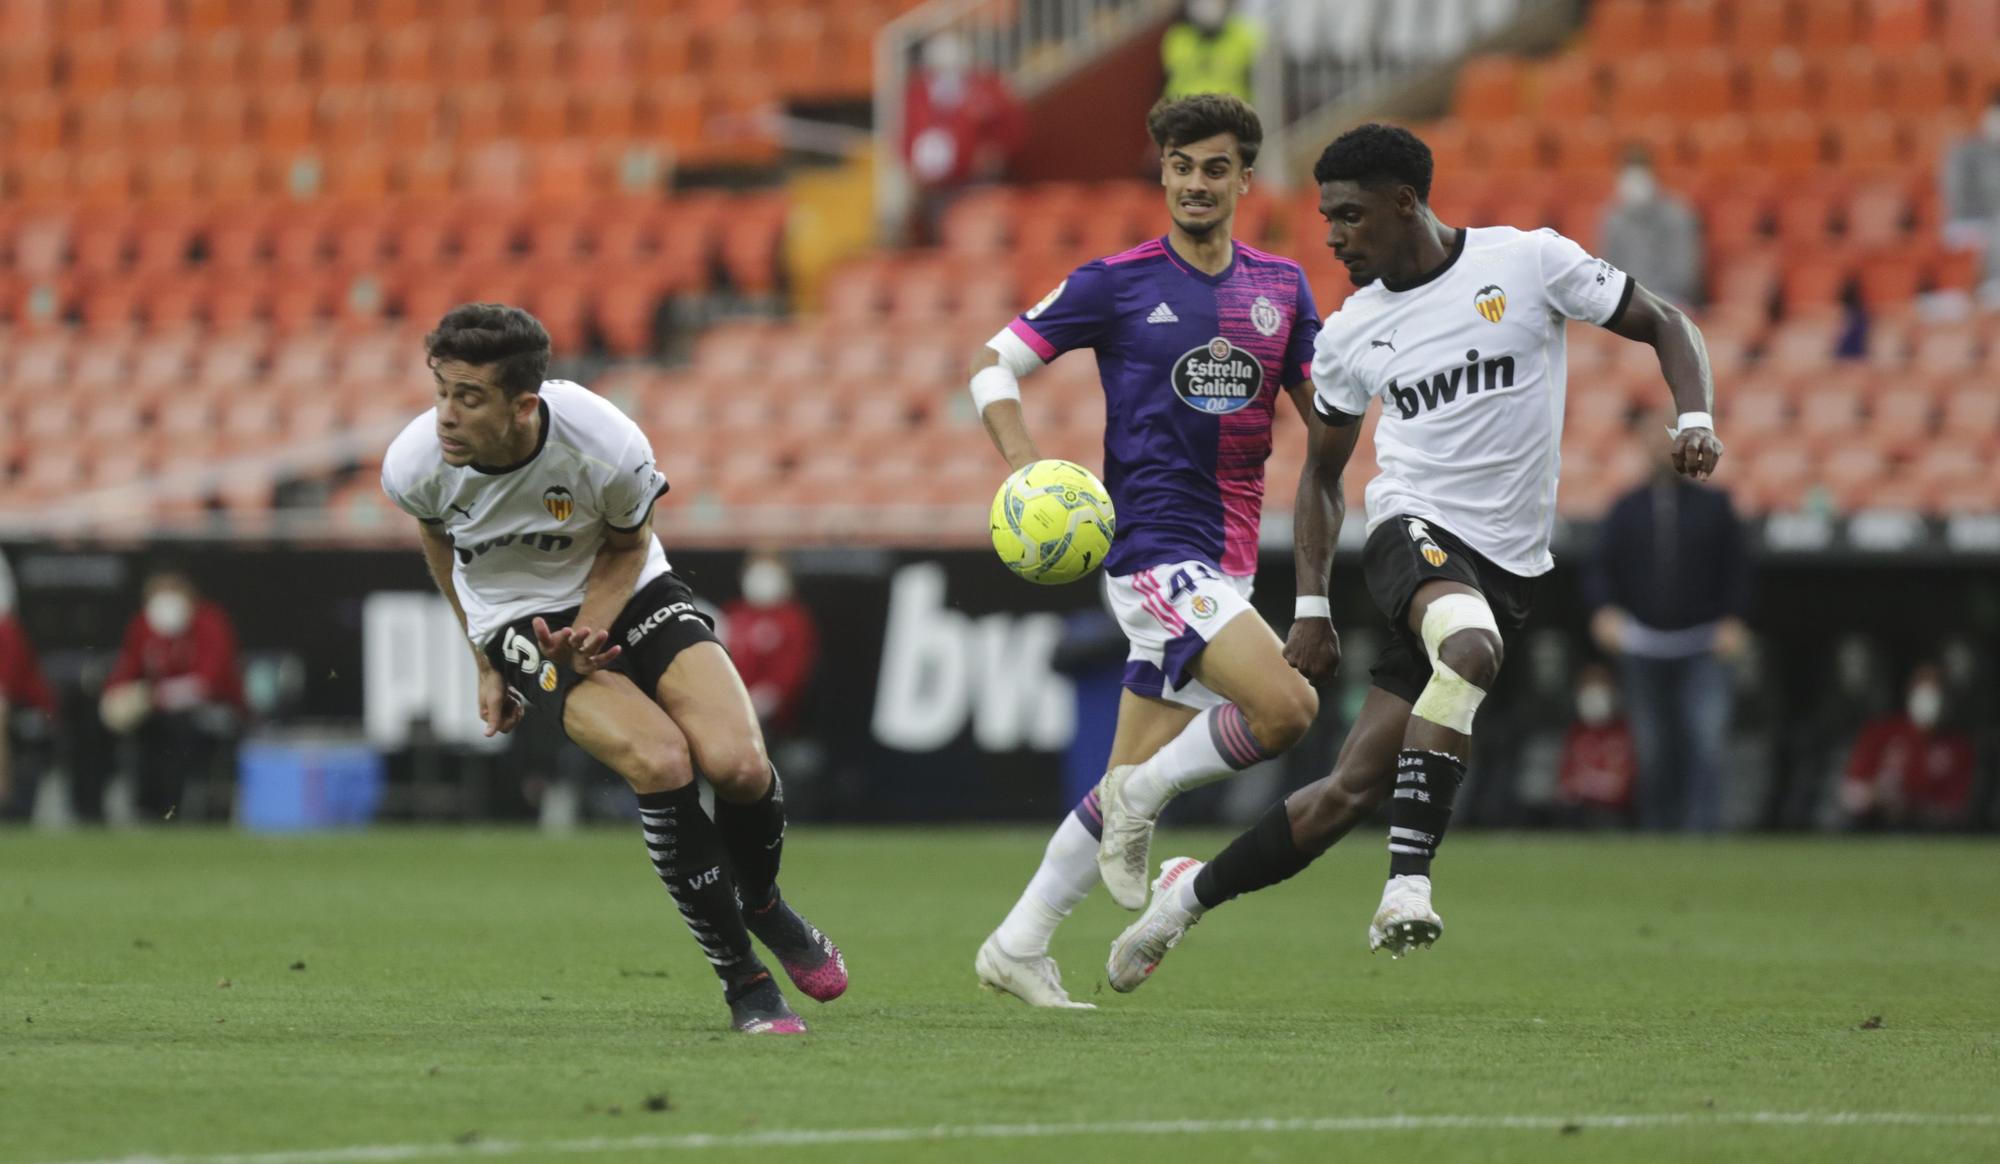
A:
(816, 1137)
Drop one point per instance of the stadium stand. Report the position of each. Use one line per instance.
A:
(224, 223)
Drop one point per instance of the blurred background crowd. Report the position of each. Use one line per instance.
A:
(773, 233)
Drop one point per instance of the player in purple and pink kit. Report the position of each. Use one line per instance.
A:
(1195, 334)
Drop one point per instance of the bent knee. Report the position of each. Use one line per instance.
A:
(1474, 655)
(653, 766)
(1283, 719)
(738, 772)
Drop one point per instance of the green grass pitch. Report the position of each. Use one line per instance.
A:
(444, 994)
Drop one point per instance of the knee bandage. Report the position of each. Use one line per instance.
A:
(1449, 699)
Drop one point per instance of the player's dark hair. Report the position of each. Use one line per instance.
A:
(1176, 122)
(1374, 154)
(510, 339)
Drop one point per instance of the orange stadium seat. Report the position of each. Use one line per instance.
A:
(1489, 89)
(1689, 25)
(1847, 82)
(155, 62)
(90, 65)
(1569, 87)
(1916, 83)
(1973, 414)
(1828, 24)
(158, 119)
(217, 59)
(531, 48)
(1778, 83)
(277, 61)
(1790, 143)
(341, 57)
(403, 56)
(1851, 472)
(1871, 144)
(1620, 28)
(1899, 24)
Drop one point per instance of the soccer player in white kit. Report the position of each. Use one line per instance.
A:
(1460, 333)
(535, 501)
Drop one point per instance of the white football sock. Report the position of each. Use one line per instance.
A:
(1192, 759)
(1067, 873)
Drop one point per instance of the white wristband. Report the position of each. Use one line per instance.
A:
(1312, 606)
(991, 384)
(1690, 420)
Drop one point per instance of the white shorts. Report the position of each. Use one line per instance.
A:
(1169, 613)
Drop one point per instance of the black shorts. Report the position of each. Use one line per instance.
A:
(1400, 557)
(658, 623)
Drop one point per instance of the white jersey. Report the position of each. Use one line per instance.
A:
(524, 537)
(1471, 367)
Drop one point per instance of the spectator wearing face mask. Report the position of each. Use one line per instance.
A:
(177, 687)
(774, 641)
(1971, 181)
(25, 700)
(1651, 235)
(1213, 49)
(1599, 765)
(1907, 769)
(961, 126)
(1669, 588)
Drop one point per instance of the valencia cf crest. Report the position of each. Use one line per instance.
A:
(1491, 302)
(548, 679)
(1420, 533)
(558, 502)
(1264, 316)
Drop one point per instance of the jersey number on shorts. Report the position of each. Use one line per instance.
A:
(519, 649)
(1183, 584)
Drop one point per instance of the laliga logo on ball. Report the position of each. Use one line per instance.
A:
(1052, 522)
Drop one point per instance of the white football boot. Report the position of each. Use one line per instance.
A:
(1405, 919)
(1138, 951)
(1035, 981)
(1124, 853)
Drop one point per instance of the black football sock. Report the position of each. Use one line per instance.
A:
(688, 855)
(754, 836)
(1261, 856)
(1426, 785)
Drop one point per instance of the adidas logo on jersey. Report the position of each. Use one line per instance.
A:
(1163, 314)
(1432, 392)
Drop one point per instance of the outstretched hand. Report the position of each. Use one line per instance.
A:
(1313, 648)
(1696, 452)
(579, 648)
(498, 709)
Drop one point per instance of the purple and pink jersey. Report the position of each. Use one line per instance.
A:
(1191, 365)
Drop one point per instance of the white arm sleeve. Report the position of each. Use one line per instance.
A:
(1015, 354)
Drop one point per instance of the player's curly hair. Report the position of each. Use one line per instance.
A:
(1175, 122)
(494, 333)
(1372, 154)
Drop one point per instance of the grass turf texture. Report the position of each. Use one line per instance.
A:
(420, 987)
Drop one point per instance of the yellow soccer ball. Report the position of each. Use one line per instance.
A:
(1052, 522)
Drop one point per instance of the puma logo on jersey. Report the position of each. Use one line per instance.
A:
(460, 510)
(547, 543)
(1435, 391)
(1389, 343)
